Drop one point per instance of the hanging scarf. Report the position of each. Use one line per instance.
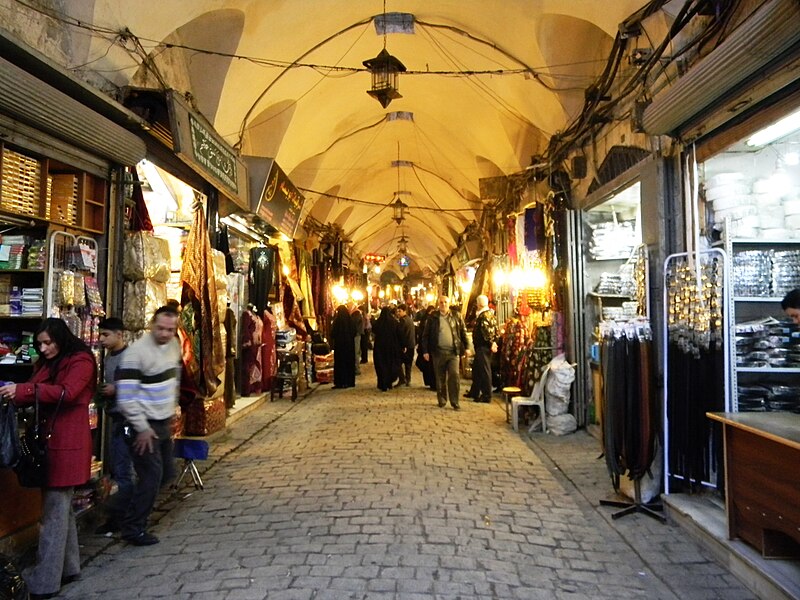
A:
(198, 274)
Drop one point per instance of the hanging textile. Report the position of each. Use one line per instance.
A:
(224, 246)
(197, 273)
(514, 341)
(536, 354)
(511, 234)
(535, 237)
(269, 360)
(140, 216)
(230, 358)
(261, 276)
(304, 279)
(630, 406)
(252, 333)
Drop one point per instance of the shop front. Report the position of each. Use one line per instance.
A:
(61, 165)
(730, 347)
(190, 179)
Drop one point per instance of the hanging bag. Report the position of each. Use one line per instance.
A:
(31, 468)
(9, 436)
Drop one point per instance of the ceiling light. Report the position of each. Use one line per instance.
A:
(399, 210)
(776, 131)
(385, 69)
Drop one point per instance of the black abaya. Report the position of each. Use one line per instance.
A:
(386, 351)
(343, 342)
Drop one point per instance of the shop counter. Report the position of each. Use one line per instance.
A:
(762, 480)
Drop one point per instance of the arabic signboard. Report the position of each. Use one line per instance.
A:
(280, 202)
(197, 144)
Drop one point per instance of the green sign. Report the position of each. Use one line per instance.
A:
(212, 155)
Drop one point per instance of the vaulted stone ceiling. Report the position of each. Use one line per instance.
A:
(488, 83)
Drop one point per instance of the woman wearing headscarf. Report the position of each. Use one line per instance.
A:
(343, 342)
(386, 351)
(64, 380)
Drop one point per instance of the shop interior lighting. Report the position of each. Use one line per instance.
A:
(357, 295)
(285, 270)
(780, 129)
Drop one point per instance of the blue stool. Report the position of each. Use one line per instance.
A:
(190, 450)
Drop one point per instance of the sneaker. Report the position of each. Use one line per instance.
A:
(143, 539)
(456, 407)
(442, 404)
(107, 528)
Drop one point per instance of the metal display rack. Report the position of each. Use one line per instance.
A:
(690, 259)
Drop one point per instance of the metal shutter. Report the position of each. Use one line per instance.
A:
(772, 30)
(35, 103)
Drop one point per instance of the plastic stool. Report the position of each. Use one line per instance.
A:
(518, 401)
(190, 450)
(508, 393)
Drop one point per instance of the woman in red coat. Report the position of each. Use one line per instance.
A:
(65, 365)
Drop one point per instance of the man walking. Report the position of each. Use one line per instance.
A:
(484, 339)
(407, 337)
(445, 341)
(147, 393)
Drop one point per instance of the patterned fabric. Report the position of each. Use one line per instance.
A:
(536, 356)
(514, 340)
(198, 274)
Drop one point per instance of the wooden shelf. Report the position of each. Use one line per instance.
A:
(767, 370)
(755, 299)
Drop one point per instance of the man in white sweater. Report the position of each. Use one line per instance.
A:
(148, 381)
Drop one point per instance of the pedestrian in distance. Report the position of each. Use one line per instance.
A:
(343, 344)
(484, 340)
(386, 353)
(407, 338)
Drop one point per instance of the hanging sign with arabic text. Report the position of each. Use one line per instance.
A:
(197, 144)
(281, 202)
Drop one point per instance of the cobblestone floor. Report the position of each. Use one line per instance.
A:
(361, 494)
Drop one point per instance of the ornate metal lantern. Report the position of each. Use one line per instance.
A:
(385, 69)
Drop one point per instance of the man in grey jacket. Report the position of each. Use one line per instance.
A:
(445, 341)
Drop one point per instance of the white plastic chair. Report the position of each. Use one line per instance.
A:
(535, 399)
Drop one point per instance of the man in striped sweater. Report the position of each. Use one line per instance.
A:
(147, 392)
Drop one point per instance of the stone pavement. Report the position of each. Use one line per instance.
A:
(361, 494)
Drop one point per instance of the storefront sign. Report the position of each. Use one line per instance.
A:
(197, 144)
(280, 203)
(213, 155)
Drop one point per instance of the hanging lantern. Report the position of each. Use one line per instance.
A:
(385, 69)
(399, 210)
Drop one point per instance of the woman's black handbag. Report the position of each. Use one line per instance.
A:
(31, 468)
(9, 435)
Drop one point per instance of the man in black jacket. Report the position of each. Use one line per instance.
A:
(484, 339)
(445, 341)
(405, 331)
